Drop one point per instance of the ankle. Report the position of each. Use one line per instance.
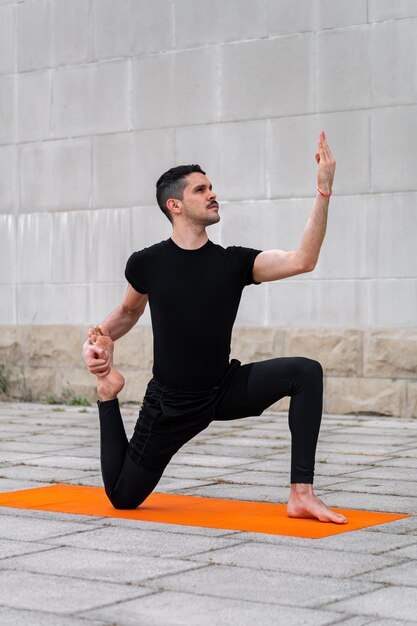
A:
(302, 489)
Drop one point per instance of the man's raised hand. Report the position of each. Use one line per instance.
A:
(327, 165)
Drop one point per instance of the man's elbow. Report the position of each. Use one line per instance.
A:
(308, 266)
(305, 263)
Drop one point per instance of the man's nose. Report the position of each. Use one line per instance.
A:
(212, 195)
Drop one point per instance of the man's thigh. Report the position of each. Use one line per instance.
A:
(164, 426)
(255, 387)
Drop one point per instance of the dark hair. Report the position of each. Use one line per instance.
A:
(172, 183)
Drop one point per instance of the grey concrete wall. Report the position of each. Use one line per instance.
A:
(98, 97)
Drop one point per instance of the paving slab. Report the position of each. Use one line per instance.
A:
(139, 541)
(260, 585)
(366, 541)
(98, 565)
(15, 617)
(395, 602)
(10, 548)
(170, 608)
(20, 528)
(292, 559)
(59, 594)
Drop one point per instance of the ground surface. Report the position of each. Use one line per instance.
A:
(71, 570)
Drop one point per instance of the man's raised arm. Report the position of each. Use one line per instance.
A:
(275, 264)
(118, 323)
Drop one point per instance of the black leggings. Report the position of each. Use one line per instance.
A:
(131, 470)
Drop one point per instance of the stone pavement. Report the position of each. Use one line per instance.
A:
(72, 570)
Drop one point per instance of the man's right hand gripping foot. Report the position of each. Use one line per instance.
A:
(98, 356)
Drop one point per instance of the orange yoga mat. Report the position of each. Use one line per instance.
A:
(259, 517)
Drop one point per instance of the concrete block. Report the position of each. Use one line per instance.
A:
(35, 245)
(90, 99)
(392, 81)
(52, 346)
(392, 303)
(7, 249)
(339, 350)
(232, 20)
(393, 133)
(252, 310)
(34, 104)
(104, 298)
(287, 17)
(8, 167)
(112, 28)
(71, 31)
(265, 225)
(292, 147)
(347, 251)
(412, 398)
(109, 230)
(389, 220)
(222, 150)
(257, 344)
(152, 26)
(339, 54)
(317, 303)
(253, 74)
(175, 89)
(11, 353)
(55, 175)
(135, 387)
(72, 383)
(8, 119)
(8, 304)
(7, 40)
(337, 13)
(386, 10)
(34, 383)
(33, 35)
(132, 350)
(390, 354)
(127, 166)
(364, 396)
(53, 304)
(149, 225)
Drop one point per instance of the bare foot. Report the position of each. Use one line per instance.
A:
(109, 386)
(303, 503)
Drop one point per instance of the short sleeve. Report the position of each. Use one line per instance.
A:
(135, 272)
(244, 259)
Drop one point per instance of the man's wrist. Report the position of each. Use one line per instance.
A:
(324, 191)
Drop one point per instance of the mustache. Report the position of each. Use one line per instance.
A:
(212, 204)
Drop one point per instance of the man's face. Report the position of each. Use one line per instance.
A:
(199, 204)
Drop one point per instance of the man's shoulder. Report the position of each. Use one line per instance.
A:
(152, 250)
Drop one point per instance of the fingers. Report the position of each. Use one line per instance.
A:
(324, 149)
(98, 367)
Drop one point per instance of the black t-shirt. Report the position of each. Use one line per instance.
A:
(194, 296)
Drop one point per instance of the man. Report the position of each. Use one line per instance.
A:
(194, 289)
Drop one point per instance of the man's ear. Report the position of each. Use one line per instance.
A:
(174, 205)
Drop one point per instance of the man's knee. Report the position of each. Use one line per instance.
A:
(125, 501)
(310, 368)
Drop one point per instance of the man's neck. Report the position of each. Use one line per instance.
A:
(189, 239)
